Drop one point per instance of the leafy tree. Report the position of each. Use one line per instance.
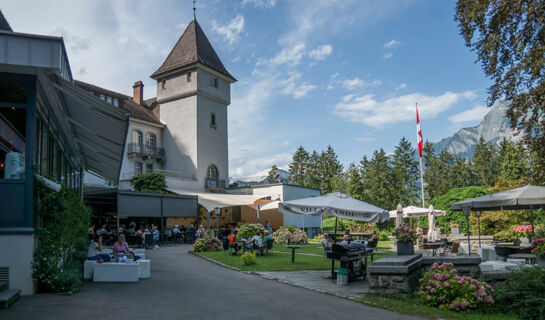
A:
(354, 183)
(460, 173)
(299, 166)
(484, 164)
(454, 195)
(445, 163)
(149, 182)
(314, 171)
(514, 161)
(406, 173)
(273, 174)
(508, 37)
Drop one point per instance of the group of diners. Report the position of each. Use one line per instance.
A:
(327, 241)
(255, 243)
(120, 250)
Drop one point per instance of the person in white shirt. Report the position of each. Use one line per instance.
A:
(94, 252)
(255, 242)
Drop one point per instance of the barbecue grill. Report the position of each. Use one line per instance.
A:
(350, 254)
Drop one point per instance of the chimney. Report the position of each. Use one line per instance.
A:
(138, 92)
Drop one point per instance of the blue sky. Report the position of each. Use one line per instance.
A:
(310, 73)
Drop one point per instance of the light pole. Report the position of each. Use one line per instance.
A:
(217, 211)
(466, 212)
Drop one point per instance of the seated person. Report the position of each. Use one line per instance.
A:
(267, 238)
(347, 237)
(326, 241)
(200, 232)
(233, 241)
(374, 237)
(255, 242)
(95, 250)
(121, 248)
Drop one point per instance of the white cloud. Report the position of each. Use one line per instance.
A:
(290, 56)
(231, 30)
(366, 139)
(285, 143)
(260, 3)
(387, 55)
(392, 44)
(365, 109)
(401, 86)
(291, 87)
(474, 114)
(321, 52)
(351, 84)
(377, 83)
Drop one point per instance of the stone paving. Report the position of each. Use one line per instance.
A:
(316, 280)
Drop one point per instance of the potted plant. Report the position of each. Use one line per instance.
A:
(405, 237)
(454, 228)
(538, 247)
(523, 233)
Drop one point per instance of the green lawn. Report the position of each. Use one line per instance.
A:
(412, 306)
(280, 261)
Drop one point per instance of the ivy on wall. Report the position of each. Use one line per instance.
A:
(149, 182)
(62, 221)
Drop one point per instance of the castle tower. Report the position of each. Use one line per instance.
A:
(193, 91)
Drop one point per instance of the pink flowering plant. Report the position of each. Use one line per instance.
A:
(404, 233)
(538, 244)
(207, 243)
(442, 287)
(523, 231)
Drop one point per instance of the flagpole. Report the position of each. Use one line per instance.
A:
(422, 183)
(420, 150)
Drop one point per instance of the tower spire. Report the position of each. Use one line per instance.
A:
(194, 9)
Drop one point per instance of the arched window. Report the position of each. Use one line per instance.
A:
(212, 172)
(137, 140)
(151, 141)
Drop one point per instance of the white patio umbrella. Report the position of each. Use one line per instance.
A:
(415, 212)
(337, 205)
(398, 215)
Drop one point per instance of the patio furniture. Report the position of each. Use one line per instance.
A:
(452, 250)
(149, 243)
(190, 237)
(503, 252)
(527, 257)
(434, 246)
(115, 272)
(293, 248)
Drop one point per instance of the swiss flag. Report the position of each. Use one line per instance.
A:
(419, 134)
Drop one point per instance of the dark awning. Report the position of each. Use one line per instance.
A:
(99, 129)
(145, 204)
(527, 197)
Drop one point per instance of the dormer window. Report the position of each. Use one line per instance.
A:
(212, 120)
(214, 82)
(188, 76)
(116, 102)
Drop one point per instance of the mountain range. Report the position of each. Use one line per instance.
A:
(493, 128)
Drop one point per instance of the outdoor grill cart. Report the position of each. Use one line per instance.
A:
(350, 255)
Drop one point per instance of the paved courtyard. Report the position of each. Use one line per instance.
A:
(185, 286)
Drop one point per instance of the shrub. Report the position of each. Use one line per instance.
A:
(61, 236)
(442, 287)
(405, 233)
(248, 259)
(523, 231)
(149, 182)
(383, 236)
(249, 230)
(319, 236)
(366, 228)
(523, 293)
(207, 242)
(291, 233)
(538, 244)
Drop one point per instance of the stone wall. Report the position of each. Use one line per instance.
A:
(395, 274)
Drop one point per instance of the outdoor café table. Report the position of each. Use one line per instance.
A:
(435, 245)
(529, 257)
(293, 248)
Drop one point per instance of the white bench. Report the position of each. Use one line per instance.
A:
(143, 268)
(115, 272)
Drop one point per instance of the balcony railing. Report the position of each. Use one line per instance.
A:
(145, 151)
(214, 184)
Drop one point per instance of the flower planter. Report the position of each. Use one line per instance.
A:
(405, 248)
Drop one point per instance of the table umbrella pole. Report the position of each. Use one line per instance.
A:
(468, 243)
(335, 236)
(479, 222)
(532, 219)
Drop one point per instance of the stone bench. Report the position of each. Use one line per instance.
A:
(115, 272)
(143, 268)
